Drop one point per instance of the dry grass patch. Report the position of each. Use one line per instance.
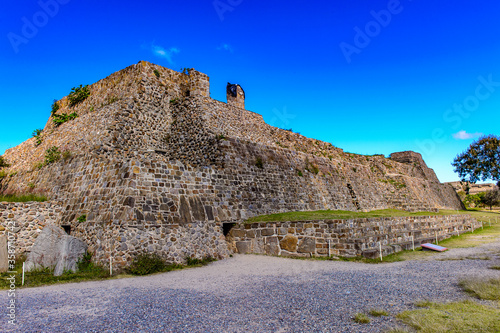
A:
(361, 318)
(458, 317)
(378, 312)
(487, 289)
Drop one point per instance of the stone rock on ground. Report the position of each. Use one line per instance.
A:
(54, 248)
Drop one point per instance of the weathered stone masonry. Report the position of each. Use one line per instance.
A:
(156, 164)
(348, 238)
(26, 220)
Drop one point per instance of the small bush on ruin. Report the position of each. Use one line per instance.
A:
(3, 163)
(259, 163)
(52, 155)
(37, 134)
(146, 263)
(82, 218)
(157, 74)
(59, 119)
(66, 155)
(55, 108)
(78, 95)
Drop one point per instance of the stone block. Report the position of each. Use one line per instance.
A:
(56, 249)
(294, 254)
(307, 245)
(267, 232)
(244, 247)
(289, 243)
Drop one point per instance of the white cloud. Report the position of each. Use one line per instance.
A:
(225, 47)
(163, 53)
(463, 135)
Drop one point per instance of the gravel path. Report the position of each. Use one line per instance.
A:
(249, 293)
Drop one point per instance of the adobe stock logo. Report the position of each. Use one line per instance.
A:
(460, 112)
(221, 7)
(372, 29)
(40, 19)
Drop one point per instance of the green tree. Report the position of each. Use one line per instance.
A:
(491, 198)
(481, 161)
(473, 200)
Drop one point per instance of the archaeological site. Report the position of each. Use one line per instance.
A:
(150, 163)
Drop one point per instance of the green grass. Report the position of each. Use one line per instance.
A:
(486, 289)
(345, 215)
(361, 318)
(485, 235)
(335, 215)
(88, 271)
(45, 276)
(22, 198)
(465, 316)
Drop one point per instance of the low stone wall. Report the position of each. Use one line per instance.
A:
(173, 242)
(25, 220)
(345, 237)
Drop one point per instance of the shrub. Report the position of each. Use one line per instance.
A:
(39, 165)
(3, 163)
(52, 155)
(146, 263)
(82, 218)
(174, 101)
(259, 163)
(198, 262)
(66, 155)
(55, 108)
(59, 119)
(157, 74)
(78, 95)
(37, 135)
(85, 263)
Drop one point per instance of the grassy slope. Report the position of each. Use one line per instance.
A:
(344, 215)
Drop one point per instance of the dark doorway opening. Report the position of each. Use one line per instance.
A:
(67, 228)
(226, 228)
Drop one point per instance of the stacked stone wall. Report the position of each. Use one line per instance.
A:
(145, 152)
(22, 222)
(347, 238)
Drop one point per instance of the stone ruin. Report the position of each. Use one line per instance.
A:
(155, 164)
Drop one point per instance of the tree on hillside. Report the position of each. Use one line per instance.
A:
(491, 198)
(481, 161)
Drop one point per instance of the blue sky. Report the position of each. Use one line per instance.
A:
(368, 76)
